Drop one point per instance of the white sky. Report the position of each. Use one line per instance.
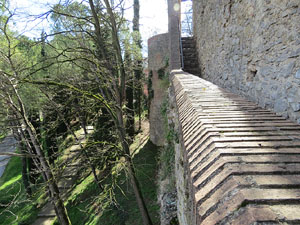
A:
(153, 17)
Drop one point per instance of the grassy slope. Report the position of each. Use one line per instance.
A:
(15, 207)
(80, 206)
(126, 212)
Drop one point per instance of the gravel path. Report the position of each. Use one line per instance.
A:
(7, 145)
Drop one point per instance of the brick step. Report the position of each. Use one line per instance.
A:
(190, 53)
(183, 39)
(190, 65)
(190, 57)
(188, 45)
(189, 50)
(190, 60)
(192, 71)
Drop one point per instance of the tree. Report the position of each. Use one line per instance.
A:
(14, 66)
(91, 46)
(138, 68)
(86, 60)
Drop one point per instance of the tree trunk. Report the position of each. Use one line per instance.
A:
(54, 191)
(21, 146)
(138, 68)
(25, 173)
(138, 194)
(45, 167)
(130, 110)
(129, 97)
(119, 96)
(83, 124)
(133, 180)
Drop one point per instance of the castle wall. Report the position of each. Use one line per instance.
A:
(252, 48)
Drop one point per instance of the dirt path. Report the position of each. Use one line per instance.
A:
(141, 138)
(9, 144)
(47, 214)
(69, 175)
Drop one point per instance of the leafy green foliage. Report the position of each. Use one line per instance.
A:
(54, 86)
(167, 155)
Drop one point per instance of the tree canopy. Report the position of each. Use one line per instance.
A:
(80, 74)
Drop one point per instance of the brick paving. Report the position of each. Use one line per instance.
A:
(243, 160)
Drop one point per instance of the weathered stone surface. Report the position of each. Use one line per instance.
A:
(286, 70)
(298, 74)
(174, 34)
(158, 55)
(250, 47)
(242, 162)
(295, 106)
(281, 105)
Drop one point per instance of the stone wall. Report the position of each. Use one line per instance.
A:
(252, 48)
(184, 198)
(158, 55)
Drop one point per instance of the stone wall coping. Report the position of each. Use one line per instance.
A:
(243, 161)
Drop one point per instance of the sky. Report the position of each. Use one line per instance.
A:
(153, 17)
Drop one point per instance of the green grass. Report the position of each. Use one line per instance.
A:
(126, 212)
(2, 136)
(12, 170)
(83, 206)
(15, 207)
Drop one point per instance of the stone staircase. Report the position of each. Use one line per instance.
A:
(190, 59)
(242, 161)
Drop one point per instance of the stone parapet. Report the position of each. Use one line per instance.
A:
(242, 162)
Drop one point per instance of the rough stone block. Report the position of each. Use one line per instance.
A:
(298, 74)
(281, 105)
(295, 106)
(287, 69)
